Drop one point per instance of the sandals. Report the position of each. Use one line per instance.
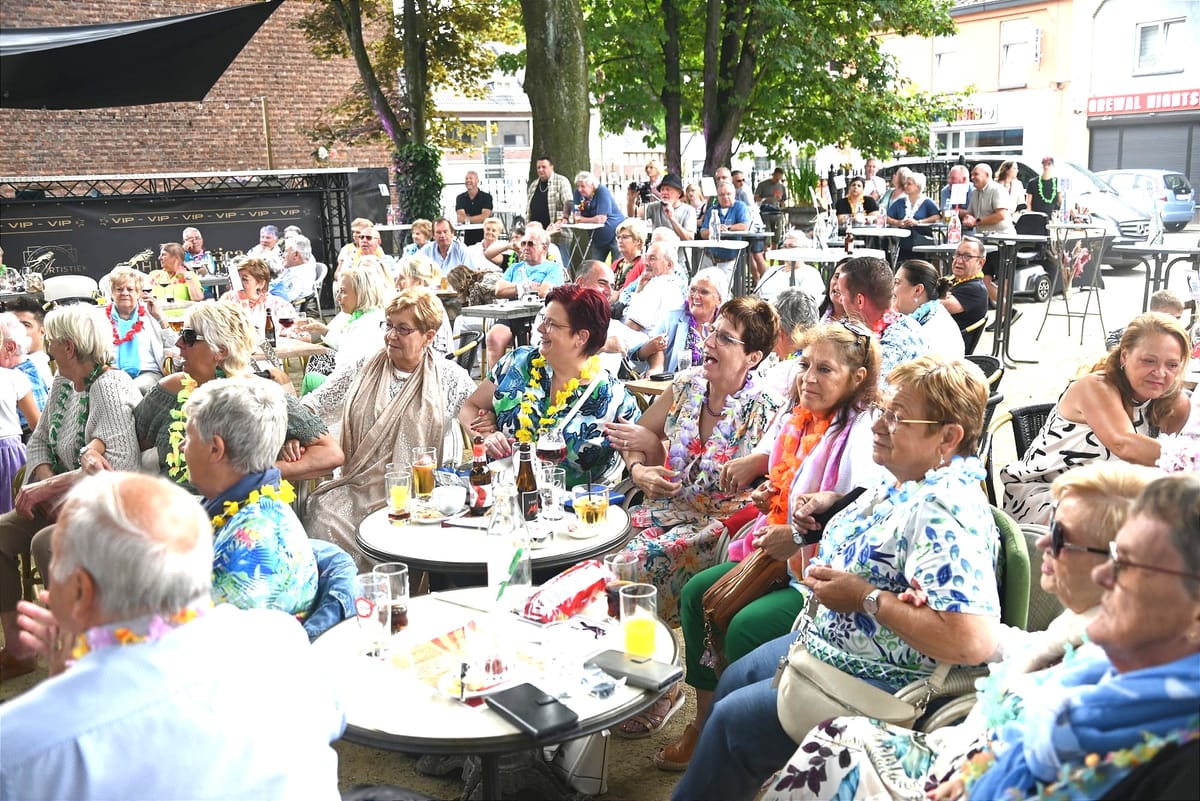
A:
(651, 722)
(11, 667)
(678, 754)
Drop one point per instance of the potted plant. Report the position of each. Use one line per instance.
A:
(802, 182)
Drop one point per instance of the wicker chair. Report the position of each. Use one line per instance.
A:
(1026, 422)
(992, 369)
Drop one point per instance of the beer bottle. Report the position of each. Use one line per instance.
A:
(269, 329)
(480, 479)
(849, 242)
(527, 491)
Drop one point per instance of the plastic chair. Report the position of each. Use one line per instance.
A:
(992, 369)
(972, 334)
(1043, 606)
(322, 271)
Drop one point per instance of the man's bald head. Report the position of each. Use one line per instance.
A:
(145, 543)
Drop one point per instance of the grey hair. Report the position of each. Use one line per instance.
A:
(715, 276)
(796, 237)
(302, 245)
(12, 329)
(664, 234)
(797, 312)
(124, 274)
(249, 414)
(87, 327)
(125, 530)
(920, 180)
(188, 230)
(586, 177)
(269, 229)
(1174, 500)
(668, 250)
(371, 283)
(223, 324)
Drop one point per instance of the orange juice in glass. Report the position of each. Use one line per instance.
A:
(639, 619)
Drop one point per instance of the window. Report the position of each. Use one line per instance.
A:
(1160, 46)
(1016, 53)
(946, 75)
(512, 133)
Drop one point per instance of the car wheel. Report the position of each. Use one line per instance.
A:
(1041, 288)
(1175, 226)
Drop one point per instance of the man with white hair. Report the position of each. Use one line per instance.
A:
(658, 291)
(595, 204)
(14, 355)
(195, 258)
(299, 269)
(267, 248)
(148, 695)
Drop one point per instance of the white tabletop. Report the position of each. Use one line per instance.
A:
(872, 230)
(468, 226)
(502, 311)
(1150, 250)
(948, 247)
(1005, 237)
(455, 548)
(390, 707)
(583, 226)
(723, 244)
(395, 227)
(821, 254)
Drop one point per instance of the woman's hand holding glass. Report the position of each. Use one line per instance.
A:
(497, 445)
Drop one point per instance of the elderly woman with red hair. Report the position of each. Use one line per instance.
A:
(553, 378)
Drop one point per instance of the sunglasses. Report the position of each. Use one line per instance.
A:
(189, 337)
(1118, 564)
(862, 334)
(1058, 541)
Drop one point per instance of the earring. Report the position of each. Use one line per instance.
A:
(941, 459)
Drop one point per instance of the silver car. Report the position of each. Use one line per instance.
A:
(1165, 191)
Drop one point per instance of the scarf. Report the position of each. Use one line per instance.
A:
(926, 310)
(1083, 731)
(799, 437)
(128, 357)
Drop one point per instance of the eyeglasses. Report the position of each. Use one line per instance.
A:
(548, 323)
(388, 328)
(739, 180)
(965, 256)
(893, 421)
(189, 337)
(726, 339)
(1118, 564)
(1058, 541)
(622, 237)
(526, 243)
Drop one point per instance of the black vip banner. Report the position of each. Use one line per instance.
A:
(90, 236)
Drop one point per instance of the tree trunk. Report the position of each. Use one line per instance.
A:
(672, 99)
(734, 78)
(712, 31)
(351, 15)
(416, 79)
(556, 82)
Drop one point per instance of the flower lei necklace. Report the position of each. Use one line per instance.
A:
(956, 281)
(285, 495)
(692, 451)
(538, 379)
(799, 437)
(885, 322)
(149, 628)
(138, 324)
(925, 310)
(60, 407)
(176, 464)
(1041, 192)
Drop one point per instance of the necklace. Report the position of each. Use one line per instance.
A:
(539, 380)
(1041, 192)
(696, 460)
(138, 323)
(543, 186)
(799, 437)
(176, 464)
(285, 495)
(149, 628)
(60, 407)
(957, 281)
(708, 408)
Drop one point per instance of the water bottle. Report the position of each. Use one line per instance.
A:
(881, 219)
(714, 224)
(509, 571)
(522, 281)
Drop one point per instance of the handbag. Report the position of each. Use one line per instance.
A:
(752, 578)
(811, 691)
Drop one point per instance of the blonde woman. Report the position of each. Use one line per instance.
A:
(418, 271)
(422, 235)
(362, 292)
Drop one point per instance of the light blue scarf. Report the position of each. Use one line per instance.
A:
(128, 357)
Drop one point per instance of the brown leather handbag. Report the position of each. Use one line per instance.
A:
(752, 578)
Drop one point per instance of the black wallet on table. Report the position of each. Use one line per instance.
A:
(533, 711)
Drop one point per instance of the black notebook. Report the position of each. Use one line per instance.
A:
(533, 711)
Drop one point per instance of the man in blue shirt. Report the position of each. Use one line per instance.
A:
(151, 705)
(445, 251)
(595, 204)
(732, 215)
(535, 274)
(867, 287)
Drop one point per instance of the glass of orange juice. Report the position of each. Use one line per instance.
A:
(639, 619)
(399, 490)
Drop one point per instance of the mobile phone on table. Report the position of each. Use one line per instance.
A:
(649, 674)
(533, 711)
(814, 536)
(662, 376)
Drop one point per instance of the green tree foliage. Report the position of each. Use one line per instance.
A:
(769, 72)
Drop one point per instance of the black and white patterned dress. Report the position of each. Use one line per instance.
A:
(1058, 447)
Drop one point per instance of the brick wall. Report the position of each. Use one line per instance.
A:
(224, 132)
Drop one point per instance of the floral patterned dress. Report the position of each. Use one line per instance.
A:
(677, 539)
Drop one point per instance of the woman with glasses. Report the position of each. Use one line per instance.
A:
(362, 290)
(559, 384)
(822, 441)
(967, 300)
(1117, 411)
(403, 396)
(87, 419)
(911, 208)
(217, 341)
(926, 525)
(677, 342)
(856, 757)
(139, 331)
(631, 241)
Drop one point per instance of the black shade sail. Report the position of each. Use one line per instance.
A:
(173, 59)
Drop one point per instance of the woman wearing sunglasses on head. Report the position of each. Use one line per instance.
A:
(217, 341)
(403, 396)
(856, 757)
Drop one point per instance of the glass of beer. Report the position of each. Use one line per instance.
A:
(424, 460)
(624, 566)
(399, 490)
(396, 574)
(639, 619)
(591, 506)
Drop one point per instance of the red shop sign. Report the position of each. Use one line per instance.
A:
(1144, 102)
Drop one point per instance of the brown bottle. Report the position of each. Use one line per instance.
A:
(269, 329)
(527, 491)
(849, 242)
(480, 479)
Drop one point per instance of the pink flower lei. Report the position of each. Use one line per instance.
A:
(688, 450)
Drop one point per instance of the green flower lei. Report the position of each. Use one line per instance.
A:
(177, 467)
(60, 406)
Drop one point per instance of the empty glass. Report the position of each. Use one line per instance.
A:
(372, 605)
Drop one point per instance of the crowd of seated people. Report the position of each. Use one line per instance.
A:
(774, 408)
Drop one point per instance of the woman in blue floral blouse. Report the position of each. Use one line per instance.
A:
(532, 389)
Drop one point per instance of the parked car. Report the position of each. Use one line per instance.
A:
(1122, 221)
(1165, 191)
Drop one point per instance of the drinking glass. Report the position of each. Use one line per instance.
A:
(591, 506)
(551, 446)
(624, 566)
(399, 490)
(396, 574)
(639, 619)
(551, 484)
(372, 605)
(424, 460)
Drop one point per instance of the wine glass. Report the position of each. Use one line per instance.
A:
(551, 446)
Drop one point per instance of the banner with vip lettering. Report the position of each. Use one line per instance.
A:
(89, 236)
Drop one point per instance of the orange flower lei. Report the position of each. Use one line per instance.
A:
(799, 437)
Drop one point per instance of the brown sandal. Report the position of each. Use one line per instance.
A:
(651, 722)
(678, 754)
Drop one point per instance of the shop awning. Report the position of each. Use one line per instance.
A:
(172, 59)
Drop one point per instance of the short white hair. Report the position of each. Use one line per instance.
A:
(301, 244)
(586, 177)
(715, 276)
(664, 234)
(12, 330)
(85, 326)
(249, 414)
(119, 535)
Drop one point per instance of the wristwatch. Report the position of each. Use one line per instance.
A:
(870, 604)
(797, 536)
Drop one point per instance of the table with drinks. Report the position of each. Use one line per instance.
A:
(740, 283)
(520, 311)
(823, 258)
(694, 250)
(891, 238)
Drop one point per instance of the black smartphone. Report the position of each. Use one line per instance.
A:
(533, 711)
(814, 536)
(662, 376)
(646, 673)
